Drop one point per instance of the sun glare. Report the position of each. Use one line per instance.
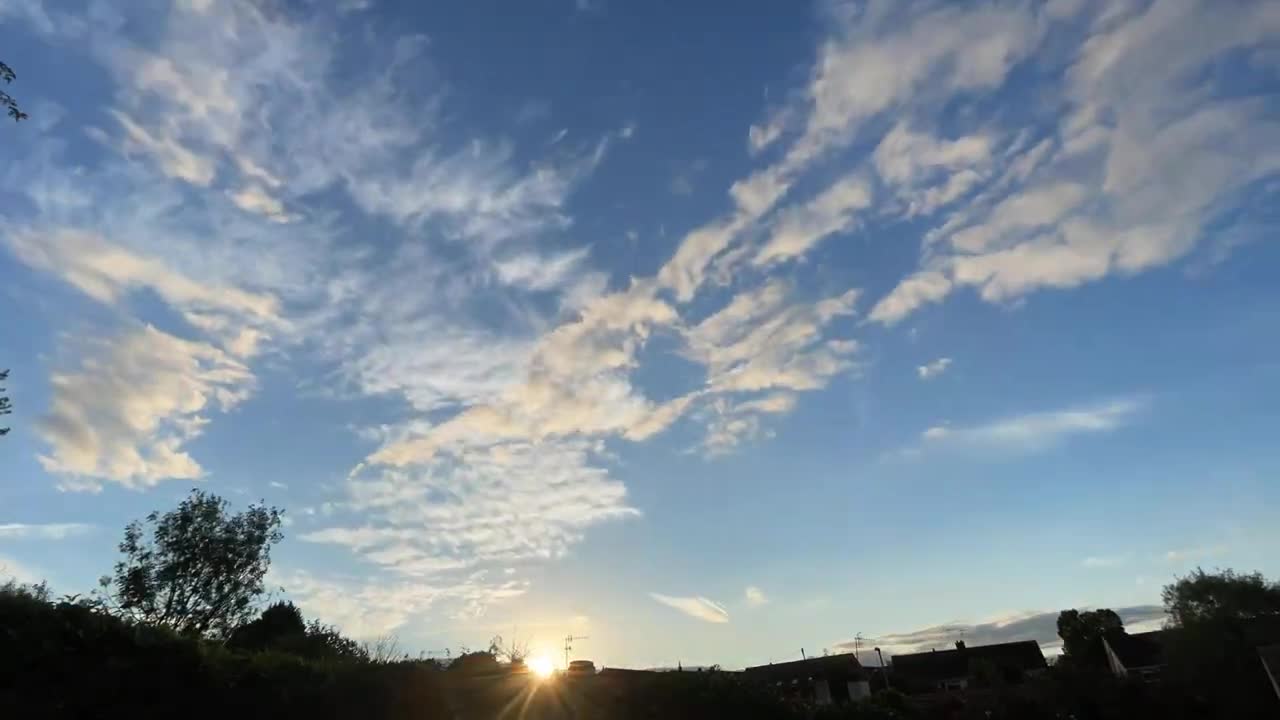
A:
(542, 666)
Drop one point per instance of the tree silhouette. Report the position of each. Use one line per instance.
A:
(1082, 632)
(6, 407)
(1213, 647)
(280, 623)
(6, 100)
(282, 628)
(1226, 595)
(201, 569)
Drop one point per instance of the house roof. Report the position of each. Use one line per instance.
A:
(1139, 649)
(842, 665)
(939, 665)
(1148, 649)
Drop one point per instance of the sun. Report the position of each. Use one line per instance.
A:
(542, 666)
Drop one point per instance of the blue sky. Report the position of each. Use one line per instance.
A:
(707, 332)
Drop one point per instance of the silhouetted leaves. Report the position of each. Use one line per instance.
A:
(6, 407)
(1082, 632)
(6, 100)
(1224, 595)
(201, 569)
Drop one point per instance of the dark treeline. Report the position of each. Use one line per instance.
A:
(179, 629)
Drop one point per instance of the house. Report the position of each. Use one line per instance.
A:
(826, 680)
(966, 666)
(1139, 656)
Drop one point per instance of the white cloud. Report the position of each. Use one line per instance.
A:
(1146, 153)
(253, 199)
(44, 531)
(936, 432)
(916, 290)
(536, 272)
(1035, 431)
(888, 54)
(370, 609)
(695, 607)
(929, 173)
(729, 424)
(175, 159)
(478, 503)
(758, 342)
(799, 229)
(762, 135)
(108, 272)
(755, 597)
(124, 415)
(931, 370)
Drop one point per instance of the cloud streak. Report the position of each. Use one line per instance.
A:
(44, 531)
(1036, 431)
(933, 369)
(695, 607)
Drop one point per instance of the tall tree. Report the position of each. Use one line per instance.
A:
(6, 407)
(6, 100)
(201, 569)
(1225, 595)
(1214, 649)
(1082, 632)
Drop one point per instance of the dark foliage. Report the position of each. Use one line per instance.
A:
(480, 662)
(1219, 621)
(201, 569)
(69, 660)
(1225, 595)
(6, 407)
(7, 101)
(281, 628)
(1082, 632)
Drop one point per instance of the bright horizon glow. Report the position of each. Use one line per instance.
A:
(542, 666)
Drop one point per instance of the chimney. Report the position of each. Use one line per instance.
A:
(959, 644)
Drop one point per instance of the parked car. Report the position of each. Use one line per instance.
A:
(581, 668)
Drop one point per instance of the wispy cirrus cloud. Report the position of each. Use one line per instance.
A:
(1083, 194)
(755, 597)
(1035, 431)
(696, 607)
(42, 531)
(367, 609)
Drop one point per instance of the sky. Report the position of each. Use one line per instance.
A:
(707, 331)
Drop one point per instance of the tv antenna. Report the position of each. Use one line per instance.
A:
(568, 646)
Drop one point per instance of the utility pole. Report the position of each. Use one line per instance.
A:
(568, 646)
(857, 646)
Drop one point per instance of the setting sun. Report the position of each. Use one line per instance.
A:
(542, 666)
